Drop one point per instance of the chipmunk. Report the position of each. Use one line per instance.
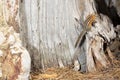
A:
(87, 24)
(90, 20)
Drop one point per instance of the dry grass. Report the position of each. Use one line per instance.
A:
(112, 73)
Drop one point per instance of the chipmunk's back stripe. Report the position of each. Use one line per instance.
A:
(87, 24)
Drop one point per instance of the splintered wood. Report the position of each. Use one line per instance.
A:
(102, 33)
(93, 54)
(14, 59)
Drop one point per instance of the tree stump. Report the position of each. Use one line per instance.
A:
(96, 40)
(48, 30)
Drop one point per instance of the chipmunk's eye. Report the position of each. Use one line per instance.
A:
(93, 23)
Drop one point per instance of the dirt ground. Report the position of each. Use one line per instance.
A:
(113, 73)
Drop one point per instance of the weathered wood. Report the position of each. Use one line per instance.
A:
(102, 31)
(48, 31)
(110, 8)
(11, 14)
(15, 61)
(116, 3)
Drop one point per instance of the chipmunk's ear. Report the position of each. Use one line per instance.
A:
(77, 20)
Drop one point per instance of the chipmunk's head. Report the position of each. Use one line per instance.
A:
(90, 21)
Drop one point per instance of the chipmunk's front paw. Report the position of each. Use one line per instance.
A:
(76, 66)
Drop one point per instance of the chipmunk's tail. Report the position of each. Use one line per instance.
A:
(78, 42)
